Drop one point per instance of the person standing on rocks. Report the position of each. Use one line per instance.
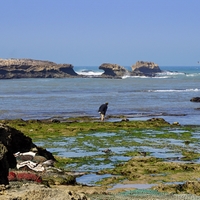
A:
(102, 111)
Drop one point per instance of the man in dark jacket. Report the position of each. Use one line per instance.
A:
(102, 111)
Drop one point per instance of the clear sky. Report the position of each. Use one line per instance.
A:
(91, 32)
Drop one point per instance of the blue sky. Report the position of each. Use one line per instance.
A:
(91, 32)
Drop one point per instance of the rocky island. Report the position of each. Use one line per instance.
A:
(29, 68)
(113, 70)
(145, 69)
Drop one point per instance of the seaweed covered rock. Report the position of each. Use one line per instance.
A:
(188, 187)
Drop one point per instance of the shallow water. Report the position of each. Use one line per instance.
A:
(91, 179)
(94, 159)
(136, 186)
(167, 95)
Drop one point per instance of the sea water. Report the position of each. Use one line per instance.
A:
(167, 95)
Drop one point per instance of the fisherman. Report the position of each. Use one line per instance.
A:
(102, 110)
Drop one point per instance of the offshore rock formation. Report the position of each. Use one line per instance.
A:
(28, 68)
(139, 69)
(195, 99)
(142, 68)
(113, 70)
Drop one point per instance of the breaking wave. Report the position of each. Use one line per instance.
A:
(87, 72)
(178, 90)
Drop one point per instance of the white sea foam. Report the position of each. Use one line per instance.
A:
(185, 90)
(170, 73)
(193, 75)
(164, 75)
(87, 72)
(126, 76)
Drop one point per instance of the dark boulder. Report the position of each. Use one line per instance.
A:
(195, 99)
(11, 142)
(16, 141)
(4, 165)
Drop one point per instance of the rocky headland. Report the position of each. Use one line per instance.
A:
(29, 68)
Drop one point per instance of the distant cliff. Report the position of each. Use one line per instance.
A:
(28, 68)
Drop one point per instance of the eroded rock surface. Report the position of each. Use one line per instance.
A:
(113, 70)
(31, 191)
(29, 68)
(142, 68)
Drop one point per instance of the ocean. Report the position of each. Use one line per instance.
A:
(138, 98)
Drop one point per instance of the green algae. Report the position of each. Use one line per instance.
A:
(48, 128)
(153, 170)
(90, 135)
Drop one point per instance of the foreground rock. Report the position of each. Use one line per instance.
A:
(188, 187)
(142, 68)
(28, 68)
(31, 191)
(113, 70)
(4, 165)
(12, 141)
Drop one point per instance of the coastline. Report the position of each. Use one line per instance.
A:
(88, 191)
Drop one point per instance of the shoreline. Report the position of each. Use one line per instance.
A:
(94, 125)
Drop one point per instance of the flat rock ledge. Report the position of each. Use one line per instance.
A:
(28, 68)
